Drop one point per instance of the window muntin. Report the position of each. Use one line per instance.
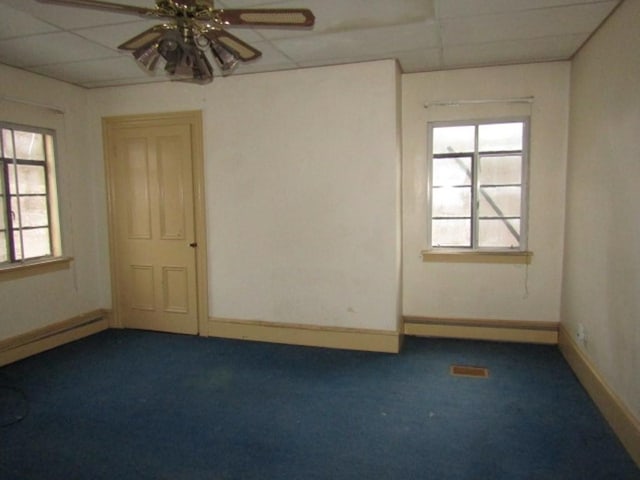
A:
(27, 194)
(478, 186)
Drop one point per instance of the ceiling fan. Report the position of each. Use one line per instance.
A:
(194, 27)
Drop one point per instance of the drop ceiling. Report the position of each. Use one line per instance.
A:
(79, 46)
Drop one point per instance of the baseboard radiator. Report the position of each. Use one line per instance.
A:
(476, 329)
(51, 336)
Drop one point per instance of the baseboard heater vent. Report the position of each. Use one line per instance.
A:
(53, 335)
(469, 371)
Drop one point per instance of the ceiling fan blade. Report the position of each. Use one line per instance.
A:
(110, 6)
(276, 17)
(239, 48)
(146, 38)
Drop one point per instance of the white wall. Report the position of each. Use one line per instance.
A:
(601, 287)
(481, 291)
(35, 301)
(302, 190)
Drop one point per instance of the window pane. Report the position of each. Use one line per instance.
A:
(500, 137)
(454, 139)
(7, 143)
(31, 179)
(3, 213)
(451, 171)
(3, 205)
(451, 233)
(451, 202)
(36, 243)
(29, 145)
(12, 178)
(500, 170)
(33, 211)
(4, 257)
(499, 233)
(499, 202)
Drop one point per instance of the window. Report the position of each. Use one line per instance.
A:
(28, 216)
(478, 185)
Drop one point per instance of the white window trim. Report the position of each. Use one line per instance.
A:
(492, 255)
(56, 260)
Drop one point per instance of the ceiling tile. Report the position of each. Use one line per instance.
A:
(50, 48)
(343, 61)
(125, 81)
(379, 42)
(526, 24)
(247, 34)
(122, 67)
(468, 8)
(14, 23)
(513, 51)
(69, 18)
(251, 67)
(338, 17)
(420, 60)
(113, 35)
(270, 57)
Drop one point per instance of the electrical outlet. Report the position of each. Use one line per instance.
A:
(581, 334)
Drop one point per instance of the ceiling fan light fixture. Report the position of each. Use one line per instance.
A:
(202, 71)
(170, 49)
(147, 57)
(190, 65)
(225, 58)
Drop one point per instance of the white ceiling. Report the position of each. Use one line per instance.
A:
(80, 45)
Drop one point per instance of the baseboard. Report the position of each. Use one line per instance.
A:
(621, 420)
(51, 336)
(493, 330)
(308, 335)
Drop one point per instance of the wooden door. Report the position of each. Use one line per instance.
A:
(152, 218)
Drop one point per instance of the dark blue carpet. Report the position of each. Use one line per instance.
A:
(141, 405)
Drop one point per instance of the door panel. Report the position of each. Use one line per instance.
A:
(135, 179)
(171, 199)
(175, 289)
(141, 293)
(151, 175)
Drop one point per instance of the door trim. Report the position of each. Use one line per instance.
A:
(194, 120)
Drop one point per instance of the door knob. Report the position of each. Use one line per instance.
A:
(193, 244)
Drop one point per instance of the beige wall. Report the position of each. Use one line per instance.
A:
(481, 291)
(35, 301)
(302, 179)
(302, 190)
(601, 288)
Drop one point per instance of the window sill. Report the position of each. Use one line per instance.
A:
(456, 256)
(20, 270)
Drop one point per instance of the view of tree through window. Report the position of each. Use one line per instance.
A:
(477, 175)
(26, 157)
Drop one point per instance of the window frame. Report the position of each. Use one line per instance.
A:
(49, 166)
(491, 253)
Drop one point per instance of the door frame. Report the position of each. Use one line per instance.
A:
(194, 120)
